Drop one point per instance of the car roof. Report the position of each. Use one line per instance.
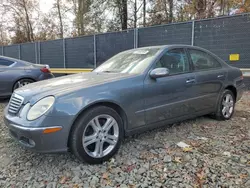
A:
(172, 46)
(8, 58)
(15, 60)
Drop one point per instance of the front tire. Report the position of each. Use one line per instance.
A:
(97, 134)
(225, 107)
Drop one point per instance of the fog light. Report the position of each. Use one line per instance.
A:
(31, 142)
(27, 141)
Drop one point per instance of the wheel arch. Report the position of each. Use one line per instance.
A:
(110, 104)
(21, 78)
(232, 89)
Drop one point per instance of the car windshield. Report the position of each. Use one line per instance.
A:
(132, 61)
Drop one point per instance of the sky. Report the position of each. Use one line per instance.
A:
(45, 5)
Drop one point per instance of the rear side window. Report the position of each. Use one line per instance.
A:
(4, 62)
(175, 60)
(203, 61)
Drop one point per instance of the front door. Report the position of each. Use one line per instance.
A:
(169, 97)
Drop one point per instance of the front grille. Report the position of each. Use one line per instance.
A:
(15, 103)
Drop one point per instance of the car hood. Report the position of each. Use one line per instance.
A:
(67, 84)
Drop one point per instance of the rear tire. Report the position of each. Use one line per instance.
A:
(225, 107)
(96, 136)
(22, 82)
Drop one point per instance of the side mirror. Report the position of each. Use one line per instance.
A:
(159, 72)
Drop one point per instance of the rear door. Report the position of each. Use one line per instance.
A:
(169, 97)
(210, 76)
(5, 77)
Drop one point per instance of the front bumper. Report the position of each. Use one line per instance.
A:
(32, 136)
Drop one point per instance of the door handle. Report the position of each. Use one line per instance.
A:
(190, 81)
(220, 76)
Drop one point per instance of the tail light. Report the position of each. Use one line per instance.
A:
(45, 70)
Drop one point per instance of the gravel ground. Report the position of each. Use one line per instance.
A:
(218, 156)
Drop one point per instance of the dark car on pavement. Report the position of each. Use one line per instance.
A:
(15, 73)
(136, 90)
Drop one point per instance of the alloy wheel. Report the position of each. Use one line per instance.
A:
(227, 105)
(22, 83)
(100, 136)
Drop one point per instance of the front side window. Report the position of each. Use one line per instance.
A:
(133, 61)
(203, 61)
(4, 62)
(175, 61)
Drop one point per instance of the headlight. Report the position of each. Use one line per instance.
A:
(40, 108)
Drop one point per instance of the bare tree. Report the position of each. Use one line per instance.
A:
(80, 10)
(4, 40)
(135, 14)
(144, 13)
(25, 23)
(21, 11)
(124, 14)
(210, 9)
(58, 5)
(222, 7)
(159, 13)
(136, 10)
(200, 7)
(120, 8)
(29, 27)
(48, 29)
(171, 6)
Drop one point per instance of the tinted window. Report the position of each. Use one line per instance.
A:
(175, 60)
(203, 61)
(5, 62)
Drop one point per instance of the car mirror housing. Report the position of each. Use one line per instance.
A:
(159, 72)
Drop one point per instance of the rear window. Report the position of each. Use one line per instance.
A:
(4, 62)
(202, 60)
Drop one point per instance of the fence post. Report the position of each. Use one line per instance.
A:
(64, 54)
(39, 52)
(135, 38)
(19, 51)
(95, 63)
(2, 51)
(192, 42)
(36, 52)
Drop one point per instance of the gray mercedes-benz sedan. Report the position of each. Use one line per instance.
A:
(90, 113)
(15, 73)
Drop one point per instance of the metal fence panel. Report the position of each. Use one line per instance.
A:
(51, 53)
(12, 51)
(109, 44)
(28, 52)
(165, 34)
(225, 36)
(1, 50)
(80, 52)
